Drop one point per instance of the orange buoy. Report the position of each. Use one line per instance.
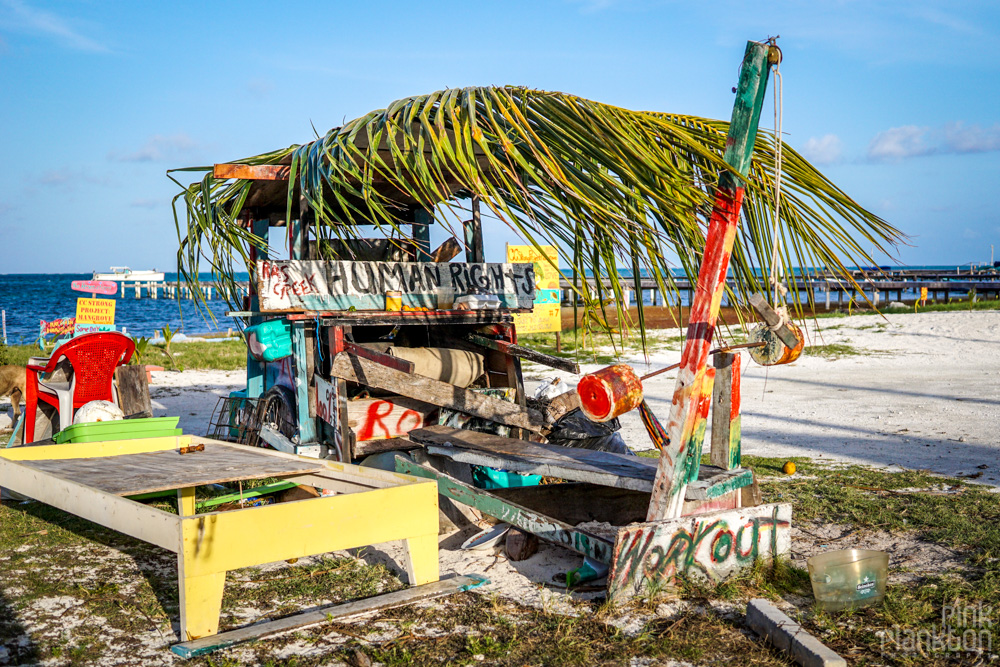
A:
(775, 351)
(609, 392)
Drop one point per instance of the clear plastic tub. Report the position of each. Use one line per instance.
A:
(849, 578)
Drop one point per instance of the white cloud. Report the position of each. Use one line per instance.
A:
(159, 147)
(22, 18)
(962, 138)
(69, 177)
(898, 143)
(823, 150)
(956, 138)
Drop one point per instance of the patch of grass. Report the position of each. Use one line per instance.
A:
(833, 351)
(225, 355)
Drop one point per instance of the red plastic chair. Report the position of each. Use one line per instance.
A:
(93, 358)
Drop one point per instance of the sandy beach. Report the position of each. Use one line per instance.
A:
(916, 390)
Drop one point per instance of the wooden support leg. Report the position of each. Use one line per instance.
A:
(726, 411)
(422, 559)
(201, 596)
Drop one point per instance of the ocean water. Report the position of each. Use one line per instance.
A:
(28, 298)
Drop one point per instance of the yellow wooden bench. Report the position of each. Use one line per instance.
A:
(90, 480)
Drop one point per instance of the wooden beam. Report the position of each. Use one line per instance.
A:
(675, 459)
(369, 373)
(252, 172)
(454, 584)
(547, 528)
(447, 251)
(726, 411)
(401, 365)
(474, 235)
(525, 353)
(773, 320)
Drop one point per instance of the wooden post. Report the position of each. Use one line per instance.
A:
(303, 341)
(422, 220)
(255, 369)
(133, 390)
(677, 461)
(474, 236)
(726, 411)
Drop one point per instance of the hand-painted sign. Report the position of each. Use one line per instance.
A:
(326, 401)
(94, 315)
(713, 546)
(95, 286)
(545, 315)
(63, 325)
(297, 285)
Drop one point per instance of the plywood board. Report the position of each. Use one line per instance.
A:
(132, 474)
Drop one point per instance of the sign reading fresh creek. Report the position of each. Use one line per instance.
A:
(294, 285)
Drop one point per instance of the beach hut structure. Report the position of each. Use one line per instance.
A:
(362, 340)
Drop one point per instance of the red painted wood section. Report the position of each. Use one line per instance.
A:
(681, 425)
(253, 172)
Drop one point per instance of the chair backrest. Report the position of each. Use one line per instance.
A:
(94, 358)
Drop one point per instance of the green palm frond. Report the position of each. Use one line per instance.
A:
(608, 186)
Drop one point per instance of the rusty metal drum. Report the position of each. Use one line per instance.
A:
(609, 392)
(775, 352)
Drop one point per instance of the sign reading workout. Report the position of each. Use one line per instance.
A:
(94, 315)
(297, 285)
(545, 314)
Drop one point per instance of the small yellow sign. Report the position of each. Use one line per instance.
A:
(545, 316)
(95, 311)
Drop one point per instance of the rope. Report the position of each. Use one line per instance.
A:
(778, 117)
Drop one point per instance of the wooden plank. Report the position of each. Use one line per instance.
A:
(447, 251)
(527, 353)
(474, 235)
(675, 460)
(751, 496)
(546, 528)
(131, 474)
(649, 556)
(133, 390)
(726, 411)
(562, 405)
(453, 584)
(581, 465)
(329, 285)
(252, 172)
(579, 502)
(369, 447)
(773, 319)
(89, 450)
(378, 357)
(283, 444)
(381, 418)
(121, 514)
(365, 372)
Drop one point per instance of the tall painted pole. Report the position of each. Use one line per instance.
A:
(680, 460)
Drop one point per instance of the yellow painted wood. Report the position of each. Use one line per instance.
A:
(200, 602)
(89, 450)
(121, 514)
(422, 565)
(221, 541)
(185, 501)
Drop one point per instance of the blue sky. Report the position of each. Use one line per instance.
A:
(896, 101)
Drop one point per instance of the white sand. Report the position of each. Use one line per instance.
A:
(925, 393)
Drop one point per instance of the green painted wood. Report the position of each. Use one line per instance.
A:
(746, 112)
(544, 527)
(307, 424)
(255, 369)
(238, 496)
(446, 586)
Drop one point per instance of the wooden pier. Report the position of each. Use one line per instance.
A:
(822, 289)
(168, 290)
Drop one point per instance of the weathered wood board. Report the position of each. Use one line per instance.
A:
(381, 418)
(372, 374)
(581, 465)
(327, 285)
(545, 527)
(712, 546)
(132, 474)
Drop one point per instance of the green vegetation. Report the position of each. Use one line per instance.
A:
(833, 351)
(641, 198)
(131, 586)
(225, 355)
